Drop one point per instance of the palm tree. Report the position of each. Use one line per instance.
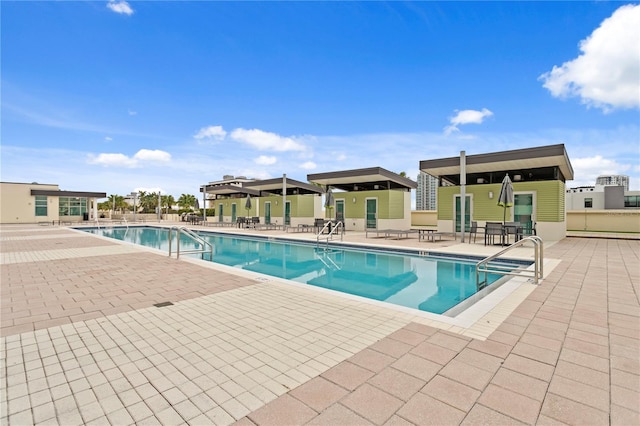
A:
(148, 201)
(119, 203)
(167, 201)
(113, 203)
(187, 201)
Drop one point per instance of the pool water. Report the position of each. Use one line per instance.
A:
(427, 283)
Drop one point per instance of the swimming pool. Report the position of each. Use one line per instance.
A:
(428, 283)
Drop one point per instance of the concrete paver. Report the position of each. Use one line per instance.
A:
(81, 344)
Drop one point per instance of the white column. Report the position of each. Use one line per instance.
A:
(284, 199)
(463, 195)
(204, 203)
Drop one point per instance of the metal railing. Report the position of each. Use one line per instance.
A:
(183, 230)
(334, 228)
(323, 256)
(110, 223)
(537, 274)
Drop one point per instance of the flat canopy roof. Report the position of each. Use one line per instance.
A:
(362, 179)
(229, 190)
(528, 159)
(275, 186)
(58, 193)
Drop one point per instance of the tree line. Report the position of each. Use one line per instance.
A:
(147, 202)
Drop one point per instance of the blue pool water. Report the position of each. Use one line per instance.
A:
(427, 283)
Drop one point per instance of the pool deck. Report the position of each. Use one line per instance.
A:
(83, 343)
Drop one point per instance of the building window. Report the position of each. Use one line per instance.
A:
(588, 203)
(41, 205)
(632, 201)
(72, 206)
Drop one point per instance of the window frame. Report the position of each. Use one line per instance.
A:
(41, 206)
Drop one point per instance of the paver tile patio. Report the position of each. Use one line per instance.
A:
(82, 344)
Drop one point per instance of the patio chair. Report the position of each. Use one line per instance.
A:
(492, 229)
(512, 228)
(473, 230)
(528, 230)
(318, 224)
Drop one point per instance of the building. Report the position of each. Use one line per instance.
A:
(281, 201)
(538, 174)
(602, 198)
(371, 198)
(46, 203)
(427, 192)
(613, 180)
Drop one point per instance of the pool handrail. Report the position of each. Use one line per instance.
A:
(332, 230)
(195, 237)
(538, 245)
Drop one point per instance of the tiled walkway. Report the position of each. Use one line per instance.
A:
(83, 344)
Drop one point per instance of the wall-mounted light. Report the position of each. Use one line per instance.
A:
(276, 202)
(354, 200)
(491, 195)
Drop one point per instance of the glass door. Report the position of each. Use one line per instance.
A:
(523, 211)
(233, 213)
(372, 213)
(267, 212)
(220, 212)
(340, 210)
(287, 213)
(467, 213)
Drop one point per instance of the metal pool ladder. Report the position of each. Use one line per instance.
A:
(193, 236)
(337, 226)
(536, 274)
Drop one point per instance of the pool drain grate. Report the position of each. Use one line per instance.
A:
(163, 304)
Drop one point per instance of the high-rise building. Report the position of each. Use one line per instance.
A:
(427, 192)
(613, 180)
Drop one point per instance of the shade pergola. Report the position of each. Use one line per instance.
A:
(368, 179)
(530, 164)
(229, 190)
(275, 187)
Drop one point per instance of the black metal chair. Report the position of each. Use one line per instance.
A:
(512, 228)
(473, 230)
(528, 230)
(491, 230)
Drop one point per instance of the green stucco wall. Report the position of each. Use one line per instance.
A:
(390, 203)
(301, 205)
(549, 200)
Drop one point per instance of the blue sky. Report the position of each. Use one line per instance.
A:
(116, 96)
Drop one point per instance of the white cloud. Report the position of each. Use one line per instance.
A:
(266, 141)
(211, 133)
(607, 73)
(466, 116)
(121, 7)
(265, 160)
(112, 160)
(587, 169)
(154, 155)
(121, 160)
(309, 165)
(132, 112)
(108, 139)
